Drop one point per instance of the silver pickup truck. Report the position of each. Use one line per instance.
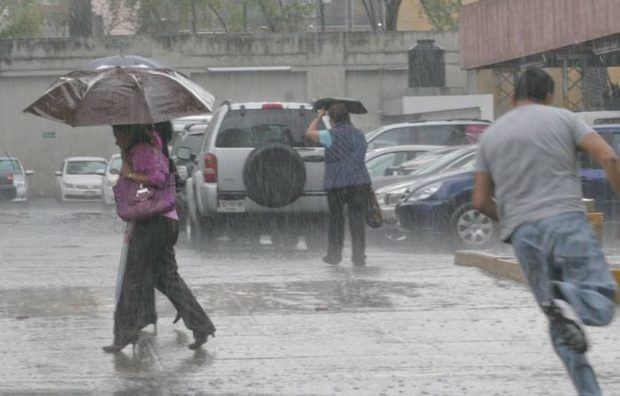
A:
(256, 174)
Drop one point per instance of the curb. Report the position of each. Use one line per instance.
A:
(504, 266)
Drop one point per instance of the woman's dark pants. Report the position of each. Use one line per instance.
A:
(151, 263)
(355, 198)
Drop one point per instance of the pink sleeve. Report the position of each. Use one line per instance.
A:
(146, 160)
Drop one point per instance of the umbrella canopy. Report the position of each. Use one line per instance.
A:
(354, 106)
(109, 94)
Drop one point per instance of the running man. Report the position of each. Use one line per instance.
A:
(527, 178)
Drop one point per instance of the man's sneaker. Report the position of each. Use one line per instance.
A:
(571, 327)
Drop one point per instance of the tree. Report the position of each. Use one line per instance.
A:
(20, 18)
(288, 16)
(375, 12)
(443, 14)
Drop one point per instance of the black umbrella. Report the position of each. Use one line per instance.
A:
(354, 106)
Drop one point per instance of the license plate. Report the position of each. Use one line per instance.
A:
(234, 206)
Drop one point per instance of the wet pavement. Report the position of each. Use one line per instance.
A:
(410, 323)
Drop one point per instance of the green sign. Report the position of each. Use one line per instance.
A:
(49, 135)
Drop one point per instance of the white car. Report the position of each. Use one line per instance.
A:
(20, 179)
(80, 178)
(111, 177)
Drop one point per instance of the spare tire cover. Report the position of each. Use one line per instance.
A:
(274, 175)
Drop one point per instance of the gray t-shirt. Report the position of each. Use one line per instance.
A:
(531, 154)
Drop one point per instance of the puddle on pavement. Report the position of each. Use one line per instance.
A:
(46, 302)
(290, 297)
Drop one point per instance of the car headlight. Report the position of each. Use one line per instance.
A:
(392, 197)
(380, 198)
(424, 192)
(68, 185)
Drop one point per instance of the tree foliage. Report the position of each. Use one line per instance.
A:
(443, 14)
(20, 18)
(171, 16)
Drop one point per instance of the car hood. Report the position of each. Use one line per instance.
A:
(83, 179)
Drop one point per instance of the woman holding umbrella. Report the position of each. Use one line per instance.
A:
(131, 92)
(150, 257)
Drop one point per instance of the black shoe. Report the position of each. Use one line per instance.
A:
(200, 338)
(118, 346)
(570, 325)
(331, 260)
(359, 263)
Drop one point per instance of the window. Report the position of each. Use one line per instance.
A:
(10, 165)
(391, 137)
(85, 167)
(443, 135)
(253, 128)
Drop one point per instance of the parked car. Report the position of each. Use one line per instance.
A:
(12, 168)
(441, 133)
(257, 173)
(391, 195)
(443, 204)
(380, 161)
(181, 125)
(452, 159)
(7, 187)
(593, 180)
(189, 146)
(80, 178)
(112, 172)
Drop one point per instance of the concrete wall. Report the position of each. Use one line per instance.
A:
(372, 67)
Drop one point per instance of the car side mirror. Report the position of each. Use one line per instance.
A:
(29, 172)
(184, 153)
(114, 171)
(58, 173)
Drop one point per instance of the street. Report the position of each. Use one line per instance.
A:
(407, 324)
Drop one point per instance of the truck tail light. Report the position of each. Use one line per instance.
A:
(210, 171)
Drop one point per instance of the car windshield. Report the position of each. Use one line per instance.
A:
(10, 165)
(442, 162)
(85, 167)
(252, 128)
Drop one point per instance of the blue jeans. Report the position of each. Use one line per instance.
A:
(561, 258)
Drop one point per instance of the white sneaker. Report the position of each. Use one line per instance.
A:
(571, 326)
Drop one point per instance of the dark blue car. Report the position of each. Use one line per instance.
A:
(443, 204)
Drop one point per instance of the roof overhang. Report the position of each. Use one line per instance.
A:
(504, 33)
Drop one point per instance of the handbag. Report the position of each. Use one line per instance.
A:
(374, 216)
(139, 202)
(135, 201)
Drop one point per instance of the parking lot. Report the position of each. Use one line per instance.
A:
(410, 323)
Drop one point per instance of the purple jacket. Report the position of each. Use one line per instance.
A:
(147, 160)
